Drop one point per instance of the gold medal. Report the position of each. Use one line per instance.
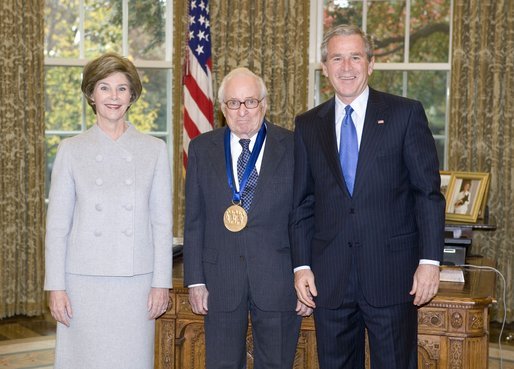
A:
(235, 218)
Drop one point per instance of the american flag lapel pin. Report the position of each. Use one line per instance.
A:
(380, 121)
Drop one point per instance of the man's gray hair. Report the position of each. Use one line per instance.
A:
(237, 72)
(346, 30)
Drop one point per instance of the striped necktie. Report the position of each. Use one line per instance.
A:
(242, 161)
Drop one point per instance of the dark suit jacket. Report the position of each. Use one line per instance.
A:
(258, 256)
(396, 214)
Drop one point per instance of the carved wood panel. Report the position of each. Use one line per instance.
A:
(190, 345)
(433, 319)
(429, 352)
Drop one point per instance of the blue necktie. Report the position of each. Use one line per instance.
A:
(348, 149)
(242, 161)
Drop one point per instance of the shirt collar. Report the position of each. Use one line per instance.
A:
(359, 105)
(234, 140)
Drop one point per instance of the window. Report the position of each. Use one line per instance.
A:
(77, 31)
(412, 51)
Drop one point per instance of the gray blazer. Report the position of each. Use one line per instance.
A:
(109, 211)
(256, 260)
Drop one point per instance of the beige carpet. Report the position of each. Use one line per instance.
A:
(28, 353)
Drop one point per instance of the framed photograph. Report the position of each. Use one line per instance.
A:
(465, 196)
(446, 177)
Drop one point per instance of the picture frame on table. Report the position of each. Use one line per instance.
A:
(465, 196)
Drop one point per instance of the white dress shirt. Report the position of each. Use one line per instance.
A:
(236, 149)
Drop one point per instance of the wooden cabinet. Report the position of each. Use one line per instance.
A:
(452, 329)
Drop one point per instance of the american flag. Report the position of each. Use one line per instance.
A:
(198, 96)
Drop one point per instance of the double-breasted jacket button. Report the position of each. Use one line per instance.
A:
(99, 181)
(97, 233)
(98, 207)
(128, 159)
(99, 158)
(128, 181)
(128, 232)
(128, 207)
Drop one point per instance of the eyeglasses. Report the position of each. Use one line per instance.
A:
(248, 103)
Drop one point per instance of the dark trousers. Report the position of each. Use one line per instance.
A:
(275, 336)
(340, 334)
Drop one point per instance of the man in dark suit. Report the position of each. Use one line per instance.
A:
(368, 221)
(237, 257)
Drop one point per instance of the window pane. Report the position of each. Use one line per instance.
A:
(429, 31)
(149, 113)
(387, 81)
(147, 29)
(342, 12)
(386, 23)
(102, 27)
(63, 98)
(429, 87)
(61, 28)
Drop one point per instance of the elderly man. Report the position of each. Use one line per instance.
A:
(237, 259)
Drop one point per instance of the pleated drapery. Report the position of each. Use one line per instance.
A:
(22, 162)
(481, 127)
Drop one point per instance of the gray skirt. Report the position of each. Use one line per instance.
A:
(110, 327)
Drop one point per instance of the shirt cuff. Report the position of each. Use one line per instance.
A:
(301, 267)
(428, 261)
(196, 285)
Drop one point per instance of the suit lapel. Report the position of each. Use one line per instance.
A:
(374, 123)
(217, 155)
(327, 132)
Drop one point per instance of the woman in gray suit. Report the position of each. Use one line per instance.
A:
(108, 237)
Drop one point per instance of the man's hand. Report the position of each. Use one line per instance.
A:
(302, 309)
(425, 283)
(305, 287)
(198, 299)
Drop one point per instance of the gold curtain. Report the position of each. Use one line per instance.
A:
(270, 37)
(21, 157)
(481, 130)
